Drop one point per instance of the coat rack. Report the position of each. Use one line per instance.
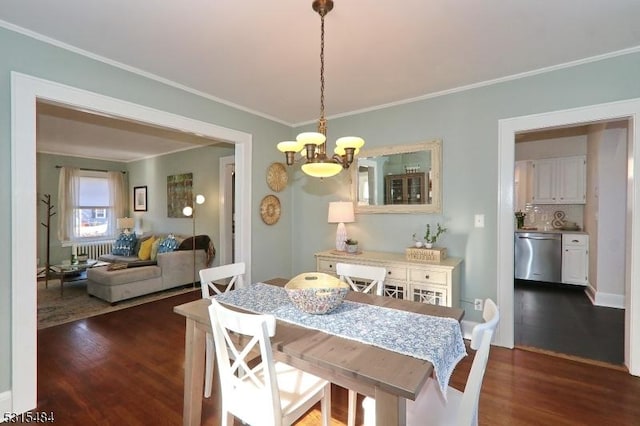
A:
(47, 201)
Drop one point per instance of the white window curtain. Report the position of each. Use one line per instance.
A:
(118, 199)
(68, 194)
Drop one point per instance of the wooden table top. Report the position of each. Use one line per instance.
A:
(348, 363)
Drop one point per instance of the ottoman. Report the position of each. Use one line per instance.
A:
(122, 284)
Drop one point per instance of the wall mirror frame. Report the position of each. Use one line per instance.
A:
(363, 171)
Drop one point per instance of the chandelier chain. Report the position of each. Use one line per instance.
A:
(322, 126)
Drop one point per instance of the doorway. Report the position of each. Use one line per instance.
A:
(508, 128)
(570, 186)
(26, 91)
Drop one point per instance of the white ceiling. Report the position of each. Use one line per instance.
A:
(264, 56)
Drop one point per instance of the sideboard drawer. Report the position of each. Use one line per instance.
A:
(327, 266)
(396, 273)
(428, 276)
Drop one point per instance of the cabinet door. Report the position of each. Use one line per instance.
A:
(575, 261)
(572, 180)
(544, 181)
(433, 295)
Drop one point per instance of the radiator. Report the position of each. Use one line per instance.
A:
(94, 249)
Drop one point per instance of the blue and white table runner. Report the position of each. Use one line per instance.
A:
(434, 339)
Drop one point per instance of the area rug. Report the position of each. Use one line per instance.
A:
(76, 304)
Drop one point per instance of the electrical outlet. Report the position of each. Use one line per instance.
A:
(477, 304)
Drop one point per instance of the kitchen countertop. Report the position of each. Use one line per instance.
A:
(550, 231)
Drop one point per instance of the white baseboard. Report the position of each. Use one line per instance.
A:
(608, 300)
(5, 404)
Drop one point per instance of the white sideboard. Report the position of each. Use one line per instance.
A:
(434, 283)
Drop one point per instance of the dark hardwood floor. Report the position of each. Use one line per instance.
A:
(561, 318)
(126, 368)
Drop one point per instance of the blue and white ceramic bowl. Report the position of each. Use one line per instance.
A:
(316, 293)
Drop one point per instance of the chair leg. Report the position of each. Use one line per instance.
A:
(208, 370)
(351, 413)
(325, 406)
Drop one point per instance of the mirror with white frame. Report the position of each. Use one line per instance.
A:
(398, 179)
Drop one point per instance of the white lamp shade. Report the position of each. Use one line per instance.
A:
(311, 138)
(187, 211)
(290, 146)
(350, 142)
(341, 212)
(199, 199)
(125, 223)
(321, 170)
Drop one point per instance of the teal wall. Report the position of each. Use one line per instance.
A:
(25, 55)
(467, 122)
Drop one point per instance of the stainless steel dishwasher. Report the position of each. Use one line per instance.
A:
(538, 256)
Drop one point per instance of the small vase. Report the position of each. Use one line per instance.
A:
(428, 245)
(352, 248)
(418, 244)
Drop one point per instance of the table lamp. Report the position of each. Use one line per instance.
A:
(125, 224)
(341, 212)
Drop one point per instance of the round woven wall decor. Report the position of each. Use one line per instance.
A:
(277, 177)
(270, 209)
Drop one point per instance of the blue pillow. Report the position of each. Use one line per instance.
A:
(125, 245)
(167, 245)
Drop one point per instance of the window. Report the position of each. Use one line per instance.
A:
(89, 203)
(93, 210)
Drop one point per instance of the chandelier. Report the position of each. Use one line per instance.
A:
(318, 163)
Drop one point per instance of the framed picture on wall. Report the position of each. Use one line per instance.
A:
(139, 198)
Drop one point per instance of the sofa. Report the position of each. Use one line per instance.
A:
(130, 275)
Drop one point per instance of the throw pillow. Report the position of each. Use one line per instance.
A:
(168, 245)
(154, 249)
(145, 249)
(124, 245)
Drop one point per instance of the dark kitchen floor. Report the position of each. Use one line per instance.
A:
(561, 318)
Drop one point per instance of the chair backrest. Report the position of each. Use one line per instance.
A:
(481, 341)
(376, 274)
(252, 396)
(235, 271)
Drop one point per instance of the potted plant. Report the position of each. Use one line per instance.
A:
(352, 245)
(416, 241)
(431, 238)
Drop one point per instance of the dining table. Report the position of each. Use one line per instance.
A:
(387, 376)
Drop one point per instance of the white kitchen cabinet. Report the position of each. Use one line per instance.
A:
(434, 283)
(575, 259)
(559, 180)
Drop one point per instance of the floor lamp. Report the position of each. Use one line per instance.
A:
(191, 211)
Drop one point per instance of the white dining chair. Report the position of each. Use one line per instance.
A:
(376, 275)
(460, 408)
(270, 393)
(208, 277)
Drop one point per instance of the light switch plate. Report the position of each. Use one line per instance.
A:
(479, 221)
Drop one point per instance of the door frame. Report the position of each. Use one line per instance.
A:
(507, 128)
(25, 92)
(226, 212)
